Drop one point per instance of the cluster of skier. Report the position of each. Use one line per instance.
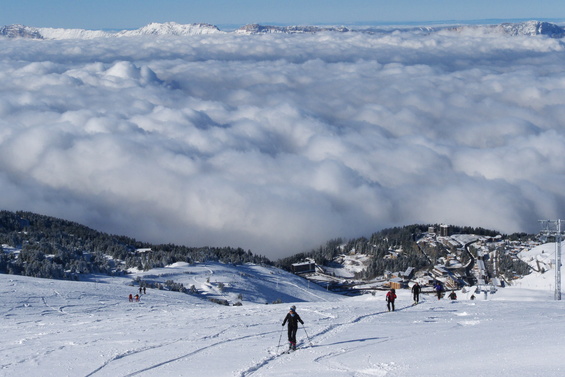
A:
(416, 290)
(292, 318)
(440, 291)
(137, 297)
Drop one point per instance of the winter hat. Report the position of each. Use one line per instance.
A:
(292, 308)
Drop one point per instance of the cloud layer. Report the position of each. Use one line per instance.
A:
(278, 143)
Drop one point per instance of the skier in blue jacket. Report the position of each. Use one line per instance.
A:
(439, 290)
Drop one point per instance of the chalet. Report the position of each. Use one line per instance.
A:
(398, 283)
(439, 271)
(442, 274)
(426, 281)
(409, 273)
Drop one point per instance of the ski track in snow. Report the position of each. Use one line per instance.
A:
(165, 362)
(324, 335)
(59, 329)
(181, 357)
(326, 349)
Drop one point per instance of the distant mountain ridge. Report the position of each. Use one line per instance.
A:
(528, 28)
(153, 29)
(265, 29)
(171, 28)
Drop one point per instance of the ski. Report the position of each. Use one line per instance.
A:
(290, 351)
(275, 353)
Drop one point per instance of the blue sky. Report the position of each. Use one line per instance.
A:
(122, 14)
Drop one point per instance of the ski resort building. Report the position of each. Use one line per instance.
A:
(444, 230)
(304, 267)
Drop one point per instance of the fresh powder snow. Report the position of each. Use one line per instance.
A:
(90, 328)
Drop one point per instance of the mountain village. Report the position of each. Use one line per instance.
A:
(469, 260)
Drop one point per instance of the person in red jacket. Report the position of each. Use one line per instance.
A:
(390, 297)
(292, 318)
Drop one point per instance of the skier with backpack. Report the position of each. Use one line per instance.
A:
(292, 318)
(390, 297)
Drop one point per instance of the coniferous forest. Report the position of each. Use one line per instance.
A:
(61, 249)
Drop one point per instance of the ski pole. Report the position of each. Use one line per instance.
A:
(307, 335)
(280, 337)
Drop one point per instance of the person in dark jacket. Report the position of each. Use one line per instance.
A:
(390, 297)
(292, 318)
(416, 289)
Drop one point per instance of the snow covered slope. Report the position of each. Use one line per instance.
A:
(242, 283)
(63, 328)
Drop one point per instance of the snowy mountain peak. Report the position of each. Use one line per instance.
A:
(172, 28)
(20, 31)
(532, 28)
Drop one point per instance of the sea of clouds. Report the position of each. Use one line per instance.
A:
(278, 143)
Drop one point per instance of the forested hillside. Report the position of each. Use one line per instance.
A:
(49, 247)
(42, 246)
